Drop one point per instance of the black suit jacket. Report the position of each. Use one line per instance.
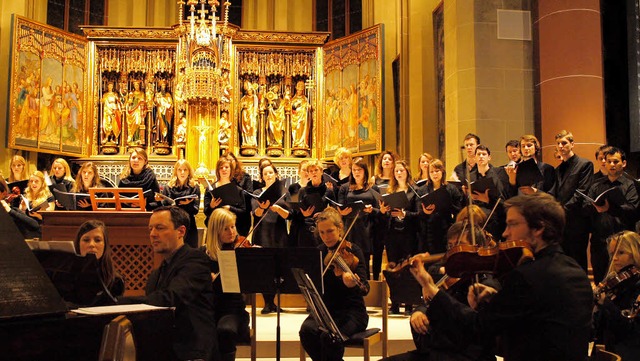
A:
(574, 173)
(543, 311)
(185, 283)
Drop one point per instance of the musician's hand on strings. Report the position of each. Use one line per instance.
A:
(481, 197)
(479, 293)
(308, 212)
(425, 280)
(368, 208)
(349, 279)
(345, 212)
(419, 322)
(428, 209)
(83, 203)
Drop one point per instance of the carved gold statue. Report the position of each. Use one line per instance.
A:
(136, 112)
(111, 116)
(164, 115)
(249, 118)
(275, 118)
(300, 107)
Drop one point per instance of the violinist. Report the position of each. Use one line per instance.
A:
(28, 227)
(232, 319)
(618, 333)
(343, 299)
(432, 345)
(543, 311)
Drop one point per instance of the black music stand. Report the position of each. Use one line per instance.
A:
(404, 287)
(317, 307)
(268, 270)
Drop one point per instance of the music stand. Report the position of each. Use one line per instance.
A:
(317, 307)
(269, 270)
(404, 287)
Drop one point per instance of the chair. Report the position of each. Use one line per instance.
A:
(600, 354)
(377, 297)
(251, 342)
(117, 341)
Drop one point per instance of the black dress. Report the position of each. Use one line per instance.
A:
(191, 238)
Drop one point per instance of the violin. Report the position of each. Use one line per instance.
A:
(426, 258)
(15, 193)
(342, 260)
(497, 259)
(241, 242)
(610, 285)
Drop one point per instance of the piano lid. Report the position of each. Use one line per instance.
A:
(25, 289)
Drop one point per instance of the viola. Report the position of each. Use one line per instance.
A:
(241, 242)
(15, 193)
(342, 260)
(465, 259)
(614, 282)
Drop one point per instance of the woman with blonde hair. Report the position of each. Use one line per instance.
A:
(423, 165)
(616, 320)
(60, 173)
(37, 196)
(342, 158)
(231, 318)
(18, 169)
(86, 178)
(183, 191)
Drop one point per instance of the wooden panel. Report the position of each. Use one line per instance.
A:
(128, 232)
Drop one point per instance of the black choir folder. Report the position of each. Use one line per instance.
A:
(395, 200)
(355, 206)
(272, 194)
(613, 195)
(310, 200)
(22, 185)
(528, 173)
(177, 200)
(483, 184)
(440, 198)
(229, 193)
(70, 200)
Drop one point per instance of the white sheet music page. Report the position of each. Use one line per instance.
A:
(229, 272)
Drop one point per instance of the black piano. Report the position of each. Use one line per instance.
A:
(35, 320)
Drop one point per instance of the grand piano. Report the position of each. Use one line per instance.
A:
(36, 323)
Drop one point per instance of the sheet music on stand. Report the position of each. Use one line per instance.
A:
(316, 306)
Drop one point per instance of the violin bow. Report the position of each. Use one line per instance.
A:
(262, 217)
(492, 212)
(344, 237)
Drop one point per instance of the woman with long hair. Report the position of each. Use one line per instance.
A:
(423, 165)
(224, 169)
(359, 190)
(92, 237)
(243, 180)
(183, 190)
(616, 319)
(60, 173)
(272, 231)
(342, 158)
(401, 225)
(139, 174)
(86, 178)
(436, 222)
(231, 318)
(18, 169)
(37, 196)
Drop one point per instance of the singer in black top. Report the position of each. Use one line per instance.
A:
(139, 175)
(182, 184)
(342, 297)
(92, 237)
(359, 190)
(380, 180)
(232, 321)
(224, 169)
(242, 180)
(303, 218)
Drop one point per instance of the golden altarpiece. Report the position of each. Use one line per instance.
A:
(194, 91)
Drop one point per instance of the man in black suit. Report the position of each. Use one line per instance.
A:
(183, 281)
(471, 141)
(543, 311)
(610, 217)
(574, 173)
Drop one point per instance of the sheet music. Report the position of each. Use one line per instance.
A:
(105, 310)
(229, 272)
(62, 246)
